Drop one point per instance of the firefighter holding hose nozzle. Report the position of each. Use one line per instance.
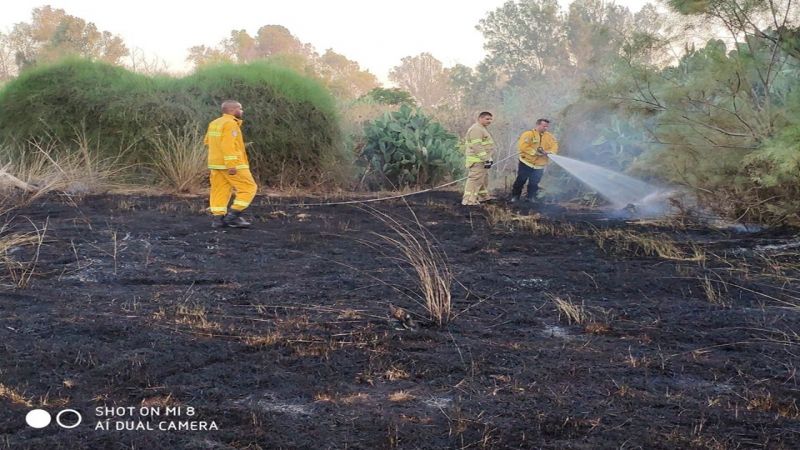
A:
(534, 147)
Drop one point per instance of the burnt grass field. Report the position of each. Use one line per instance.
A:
(568, 329)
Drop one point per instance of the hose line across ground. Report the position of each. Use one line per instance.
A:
(391, 197)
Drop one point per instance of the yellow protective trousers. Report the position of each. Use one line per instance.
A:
(477, 187)
(224, 184)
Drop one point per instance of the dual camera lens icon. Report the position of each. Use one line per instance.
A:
(66, 418)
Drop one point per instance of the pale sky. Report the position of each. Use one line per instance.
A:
(377, 33)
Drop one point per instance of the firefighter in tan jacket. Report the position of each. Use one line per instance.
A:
(480, 157)
(229, 167)
(534, 146)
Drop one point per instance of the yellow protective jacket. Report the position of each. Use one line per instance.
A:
(226, 144)
(531, 140)
(479, 145)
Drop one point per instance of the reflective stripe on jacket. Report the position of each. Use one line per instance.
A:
(479, 145)
(531, 140)
(226, 144)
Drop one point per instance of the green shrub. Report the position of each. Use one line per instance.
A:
(406, 148)
(774, 171)
(291, 128)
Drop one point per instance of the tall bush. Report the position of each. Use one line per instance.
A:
(291, 127)
(59, 101)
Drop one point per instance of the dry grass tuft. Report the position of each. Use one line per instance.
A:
(401, 397)
(13, 396)
(14, 240)
(349, 314)
(394, 374)
(431, 270)
(324, 397)
(194, 317)
(265, 340)
(573, 312)
(637, 361)
(350, 399)
(21, 272)
(46, 166)
(544, 228)
(311, 348)
(624, 241)
(533, 224)
(82, 168)
(179, 159)
(714, 294)
(497, 216)
(765, 402)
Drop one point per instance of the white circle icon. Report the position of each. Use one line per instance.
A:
(67, 426)
(37, 418)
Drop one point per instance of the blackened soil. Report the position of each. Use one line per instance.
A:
(281, 335)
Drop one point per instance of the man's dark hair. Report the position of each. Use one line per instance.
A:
(538, 121)
(484, 114)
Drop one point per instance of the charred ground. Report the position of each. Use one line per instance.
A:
(681, 336)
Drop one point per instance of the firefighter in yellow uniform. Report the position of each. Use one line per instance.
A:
(534, 146)
(230, 171)
(480, 157)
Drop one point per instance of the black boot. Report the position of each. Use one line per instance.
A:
(234, 219)
(218, 222)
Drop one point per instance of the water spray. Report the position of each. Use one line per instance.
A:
(625, 193)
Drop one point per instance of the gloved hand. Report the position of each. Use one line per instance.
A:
(488, 164)
(540, 151)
